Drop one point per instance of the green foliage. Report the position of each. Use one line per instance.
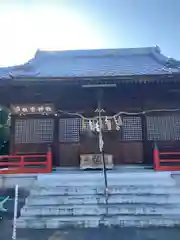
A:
(4, 126)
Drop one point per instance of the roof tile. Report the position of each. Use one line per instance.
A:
(89, 63)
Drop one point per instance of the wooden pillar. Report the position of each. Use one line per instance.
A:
(146, 151)
(156, 157)
(55, 147)
(12, 144)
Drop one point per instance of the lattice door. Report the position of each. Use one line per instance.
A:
(132, 128)
(34, 130)
(69, 129)
(163, 128)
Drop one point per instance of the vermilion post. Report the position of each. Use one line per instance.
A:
(49, 160)
(156, 157)
(21, 162)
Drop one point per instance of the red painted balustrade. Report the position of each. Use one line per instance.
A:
(166, 160)
(31, 163)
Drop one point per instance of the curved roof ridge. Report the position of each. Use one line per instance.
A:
(166, 61)
(95, 62)
(93, 52)
(158, 55)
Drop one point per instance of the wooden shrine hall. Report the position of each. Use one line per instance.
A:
(56, 97)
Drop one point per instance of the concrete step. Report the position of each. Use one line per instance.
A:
(92, 190)
(93, 199)
(97, 179)
(98, 174)
(96, 221)
(100, 182)
(84, 210)
(77, 199)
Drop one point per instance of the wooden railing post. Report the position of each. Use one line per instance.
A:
(21, 162)
(156, 159)
(49, 159)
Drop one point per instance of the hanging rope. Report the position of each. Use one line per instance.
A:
(119, 113)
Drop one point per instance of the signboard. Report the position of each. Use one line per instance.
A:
(33, 109)
(95, 161)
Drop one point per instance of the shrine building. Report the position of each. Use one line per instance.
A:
(55, 99)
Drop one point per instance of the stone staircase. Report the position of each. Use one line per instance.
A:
(76, 199)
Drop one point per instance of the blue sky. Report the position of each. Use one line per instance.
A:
(27, 25)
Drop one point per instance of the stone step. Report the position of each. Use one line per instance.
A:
(114, 199)
(96, 221)
(83, 210)
(92, 190)
(97, 179)
(100, 182)
(98, 174)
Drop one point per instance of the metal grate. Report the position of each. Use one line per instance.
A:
(163, 128)
(69, 129)
(132, 128)
(34, 130)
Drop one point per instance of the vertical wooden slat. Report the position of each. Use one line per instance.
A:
(156, 157)
(12, 135)
(147, 149)
(38, 139)
(55, 147)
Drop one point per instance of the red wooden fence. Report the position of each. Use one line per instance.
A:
(162, 157)
(35, 163)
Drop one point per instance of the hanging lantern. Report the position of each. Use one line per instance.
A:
(90, 125)
(101, 143)
(24, 110)
(120, 122)
(117, 124)
(83, 124)
(108, 124)
(118, 127)
(97, 127)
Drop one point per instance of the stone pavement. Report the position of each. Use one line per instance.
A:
(90, 234)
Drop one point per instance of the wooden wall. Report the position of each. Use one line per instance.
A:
(31, 134)
(126, 146)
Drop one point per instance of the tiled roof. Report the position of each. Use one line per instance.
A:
(4, 72)
(89, 63)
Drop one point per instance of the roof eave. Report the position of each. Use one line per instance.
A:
(125, 79)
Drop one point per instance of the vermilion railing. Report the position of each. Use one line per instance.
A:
(35, 163)
(166, 161)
